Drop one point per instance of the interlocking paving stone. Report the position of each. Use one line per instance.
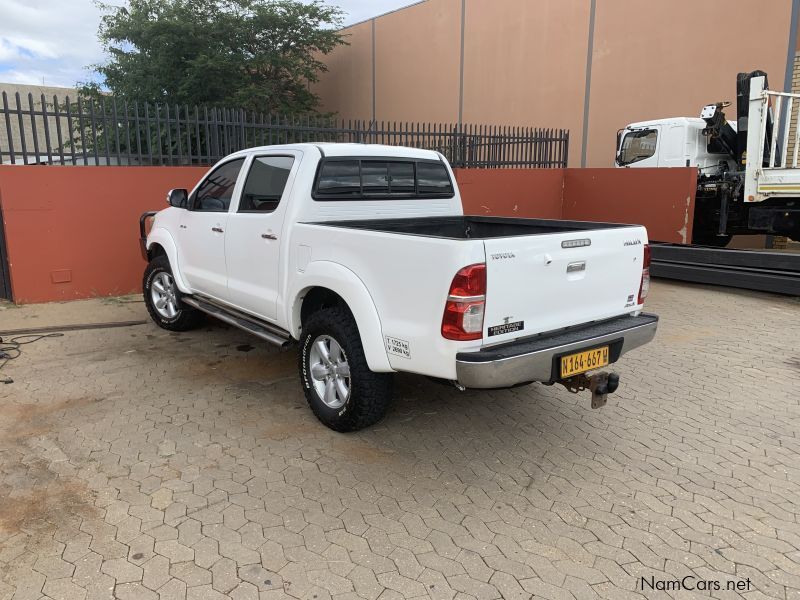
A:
(137, 463)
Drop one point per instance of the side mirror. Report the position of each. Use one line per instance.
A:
(179, 198)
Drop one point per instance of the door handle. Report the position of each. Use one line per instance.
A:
(217, 229)
(269, 236)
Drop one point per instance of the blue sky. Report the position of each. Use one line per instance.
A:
(51, 41)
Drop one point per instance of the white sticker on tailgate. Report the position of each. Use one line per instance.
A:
(398, 347)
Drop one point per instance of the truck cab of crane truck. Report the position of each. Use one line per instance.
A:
(748, 171)
(680, 142)
(671, 142)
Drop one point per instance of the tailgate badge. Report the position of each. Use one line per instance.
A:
(576, 243)
(506, 327)
(576, 267)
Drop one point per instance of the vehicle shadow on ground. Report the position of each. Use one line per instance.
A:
(239, 380)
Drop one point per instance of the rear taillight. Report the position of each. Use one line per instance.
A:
(463, 313)
(644, 288)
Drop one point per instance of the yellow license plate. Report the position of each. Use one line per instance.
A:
(575, 364)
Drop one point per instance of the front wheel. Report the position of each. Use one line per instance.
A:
(163, 300)
(339, 386)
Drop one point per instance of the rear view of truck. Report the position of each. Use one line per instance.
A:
(560, 304)
(513, 301)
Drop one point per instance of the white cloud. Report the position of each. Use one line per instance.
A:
(21, 46)
(27, 77)
(8, 51)
(56, 40)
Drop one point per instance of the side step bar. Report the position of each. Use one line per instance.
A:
(266, 331)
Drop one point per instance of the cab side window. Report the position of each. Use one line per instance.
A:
(638, 145)
(216, 191)
(265, 184)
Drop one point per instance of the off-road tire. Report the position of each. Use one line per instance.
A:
(186, 318)
(370, 393)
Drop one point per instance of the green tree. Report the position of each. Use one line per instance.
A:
(260, 55)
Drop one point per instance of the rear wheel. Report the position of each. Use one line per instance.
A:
(339, 386)
(163, 299)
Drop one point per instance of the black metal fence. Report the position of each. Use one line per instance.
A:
(110, 132)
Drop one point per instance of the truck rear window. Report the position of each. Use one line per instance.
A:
(357, 179)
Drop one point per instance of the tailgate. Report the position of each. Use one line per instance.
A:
(541, 283)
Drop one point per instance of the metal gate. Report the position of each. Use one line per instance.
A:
(49, 130)
(5, 278)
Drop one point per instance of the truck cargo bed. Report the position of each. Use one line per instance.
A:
(471, 227)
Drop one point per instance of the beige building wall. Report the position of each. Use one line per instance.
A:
(796, 107)
(525, 63)
(36, 91)
(346, 88)
(412, 85)
(666, 59)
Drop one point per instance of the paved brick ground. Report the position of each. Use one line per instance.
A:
(135, 463)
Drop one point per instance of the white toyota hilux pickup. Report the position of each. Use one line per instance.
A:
(363, 255)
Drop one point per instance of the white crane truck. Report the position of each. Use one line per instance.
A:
(748, 181)
(363, 255)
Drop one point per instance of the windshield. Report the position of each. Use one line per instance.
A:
(637, 145)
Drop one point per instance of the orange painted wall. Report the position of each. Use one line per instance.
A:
(73, 232)
(660, 199)
(511, 192)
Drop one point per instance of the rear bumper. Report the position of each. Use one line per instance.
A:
(536, 358)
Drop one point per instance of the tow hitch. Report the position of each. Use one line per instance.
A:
(601, 385)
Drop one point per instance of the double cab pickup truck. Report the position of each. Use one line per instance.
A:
(362, 256)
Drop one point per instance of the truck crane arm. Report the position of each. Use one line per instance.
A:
(722, 137)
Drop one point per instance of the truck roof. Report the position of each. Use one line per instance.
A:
(349, 149)
(691, 121)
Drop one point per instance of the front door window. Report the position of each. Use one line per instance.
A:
(216, 191)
